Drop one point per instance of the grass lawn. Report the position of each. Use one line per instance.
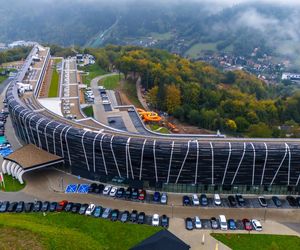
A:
(94, 71)
(88, 111)
(111, 82)
(129, 89)
(53, 90)
(2, 78)
(161, 36)
(159, 129)
(68, 231)
(11, 184)
(197, 48)
(259, 241)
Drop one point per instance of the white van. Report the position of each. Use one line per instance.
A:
(223, 222)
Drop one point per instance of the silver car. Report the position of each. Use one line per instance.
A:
(106, 213)
(163, 198)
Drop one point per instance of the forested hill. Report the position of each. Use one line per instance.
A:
(199, 94)
(182, 27)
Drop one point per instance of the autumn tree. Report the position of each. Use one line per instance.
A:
(173, 98)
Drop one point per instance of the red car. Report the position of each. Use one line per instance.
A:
(61, 205)
(142, 194)
(247, 225)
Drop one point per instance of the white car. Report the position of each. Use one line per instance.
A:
(155, 220)
(217, 199)
(256, 225)
(106, 190)
(195, 200)
(90, 209)
(223, 222)
(197, 222)
(164, 198)
(113, 191)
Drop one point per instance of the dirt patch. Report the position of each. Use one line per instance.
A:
(188, 129)
(14, 238)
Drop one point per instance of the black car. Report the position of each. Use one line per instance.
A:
(75, 207)
(45, 206)
(69, 206)
(20, 207)
(298, 201)
(28, 207)
(92, 188)
(4, 206)
(262, 201)
(120, 193)
(141, 218)
(240, 200)
(99, 189)
(186, 200)
(214, 223)
(232, 201)
(83, 208)
(53, 206)
(128, 193)
(135, 194)
(277, 202)
(292, 201)
(124, 216)
(37, 206)
(189, 224)
(133, 216)
(12, 207)
(114, 215)
(203, 200)
(165, 221)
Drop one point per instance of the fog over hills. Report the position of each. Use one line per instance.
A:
(238, 26)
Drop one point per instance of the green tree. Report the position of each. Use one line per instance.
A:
(173, 98)
(260, 130)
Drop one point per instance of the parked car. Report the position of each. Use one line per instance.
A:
(133, 216)
(142, 194)
(114, 215)
(90, 209)
(20, 207)
(135, 194)
(155, 220)
(186, 200)
(106, 190)
(165, 221)
(37, 206)
(61, 205)
(203, 200)
(28, 207)
(217, 199)
(120, 193)
(141, 218)
(195, 200)
(12, 207)
(124, 216)
(76, 207)
(69, 206)
(156, 196)
(298, 201)
(292, 201)
(189, 224)
(128, 193)
(197, 222)
(53, 206)
(223, 222)
(92, 188)
(256, 225)
(247, 224)
(99, 189)
(83, 208)
(106, 213)
(45, 206)
(4, 206)
(164, 198)
(277, 202)
(97, 211)
(113, 191)
(240, 200)
(214, 223)
(262, 201)
(231, 224)
(231, 200)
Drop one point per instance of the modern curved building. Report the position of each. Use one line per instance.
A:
(171, 162)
